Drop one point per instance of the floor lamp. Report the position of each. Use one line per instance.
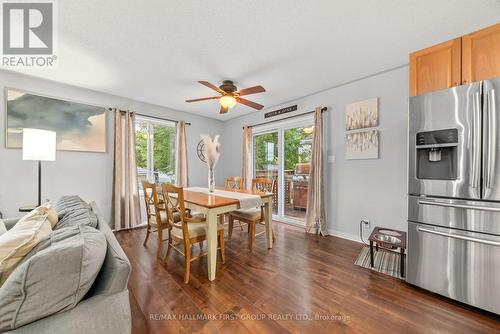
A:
(39, 145)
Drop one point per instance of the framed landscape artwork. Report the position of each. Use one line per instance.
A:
(78, 126)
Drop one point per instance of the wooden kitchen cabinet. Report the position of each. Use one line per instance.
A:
(435, 68)
(481, 54)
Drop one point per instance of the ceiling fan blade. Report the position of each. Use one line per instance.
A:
(211, 86)
(223, 110)
(203, 99)
(252, 90)
(249, 103)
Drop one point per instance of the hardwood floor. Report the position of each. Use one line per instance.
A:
(280, 290)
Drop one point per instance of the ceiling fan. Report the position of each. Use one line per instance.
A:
(230, 95)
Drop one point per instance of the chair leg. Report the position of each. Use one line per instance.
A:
(160, 242)
(230, 227)
(274, 237)
(187, 262)
(201, 245)
(241, 225)
(221, 245)
(169, 248)
(147, 236)
(251, 235)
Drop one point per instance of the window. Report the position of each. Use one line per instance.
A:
(155, 150)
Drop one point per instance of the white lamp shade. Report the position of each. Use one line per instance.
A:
(39, 145)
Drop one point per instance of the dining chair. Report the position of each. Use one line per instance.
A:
(186, 230)
(253, 216)
(233, 183)
(156, 214)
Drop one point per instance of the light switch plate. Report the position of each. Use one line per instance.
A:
(331, 159)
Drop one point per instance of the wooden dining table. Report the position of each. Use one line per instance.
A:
(214, 205)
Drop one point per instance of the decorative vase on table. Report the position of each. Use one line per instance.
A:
(211, 153)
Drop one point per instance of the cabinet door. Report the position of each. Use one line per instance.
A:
(481, 54)
(435, 68)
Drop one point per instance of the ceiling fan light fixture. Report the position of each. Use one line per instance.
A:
(227, 101)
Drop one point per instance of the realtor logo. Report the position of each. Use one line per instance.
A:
(27, 28)
(28, 34)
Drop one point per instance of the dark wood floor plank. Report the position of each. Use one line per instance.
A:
(302, 276)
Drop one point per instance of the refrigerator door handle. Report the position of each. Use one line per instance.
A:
(459, 205)
(459, 236)
(491, 142)
(475, 177)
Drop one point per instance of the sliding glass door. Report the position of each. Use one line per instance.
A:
(282, 151)
(297, 158)
(266, 159)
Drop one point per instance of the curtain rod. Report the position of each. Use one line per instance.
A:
(282, 119)
(154, 117)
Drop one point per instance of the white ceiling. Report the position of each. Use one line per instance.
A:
(155, 51)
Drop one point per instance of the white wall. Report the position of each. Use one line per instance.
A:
(86, 174)
(356, 189)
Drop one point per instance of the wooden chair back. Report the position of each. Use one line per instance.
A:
(263, 184)
(152, 201)
(268, 185)
(234, 183)
(173, 197)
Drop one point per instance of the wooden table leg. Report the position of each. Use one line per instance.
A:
(371, 253)
(268, 212)
(402, 262)
(211, 244)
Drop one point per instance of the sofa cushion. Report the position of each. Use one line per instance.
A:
(116, 268)
(20, 240)
(72, 210)
(194, 230)
(53, 277)
(248, 214)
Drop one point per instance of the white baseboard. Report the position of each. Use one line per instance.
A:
(344, 235)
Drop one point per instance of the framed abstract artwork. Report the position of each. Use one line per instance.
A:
(362, 136)
(361, 115)
(78, 126)
(362, 145)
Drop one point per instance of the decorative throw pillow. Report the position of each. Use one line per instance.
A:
(72, 210)
(67, 204)
(54, 277)
(52, 214)
(3, 229)
(20, 240)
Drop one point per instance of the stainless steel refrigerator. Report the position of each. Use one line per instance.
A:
(454, 193)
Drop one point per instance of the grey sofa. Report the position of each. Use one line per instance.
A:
(105, 308)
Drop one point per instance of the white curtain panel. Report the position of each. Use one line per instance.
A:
(247, 155)
(126, 212)
(315, 214)
(181, 165)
